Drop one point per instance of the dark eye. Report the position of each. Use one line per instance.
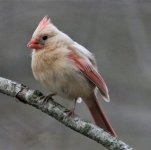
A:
(45, 37)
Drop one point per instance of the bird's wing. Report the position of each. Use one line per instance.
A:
(89, 71)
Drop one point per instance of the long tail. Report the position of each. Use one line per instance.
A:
(98, 114)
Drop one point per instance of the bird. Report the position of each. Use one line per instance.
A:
(68, 69)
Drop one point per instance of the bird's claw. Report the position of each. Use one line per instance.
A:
(70, 113)
(47, 98)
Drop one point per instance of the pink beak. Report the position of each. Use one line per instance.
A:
(34, 44)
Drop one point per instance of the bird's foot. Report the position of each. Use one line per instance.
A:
(70, 113)
(47, 98)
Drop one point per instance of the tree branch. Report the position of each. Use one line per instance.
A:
(33, 97)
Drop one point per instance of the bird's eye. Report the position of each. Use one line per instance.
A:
(45, 37)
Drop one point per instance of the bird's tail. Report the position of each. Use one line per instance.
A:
(98, 114)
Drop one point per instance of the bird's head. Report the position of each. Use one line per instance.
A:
(43, 34)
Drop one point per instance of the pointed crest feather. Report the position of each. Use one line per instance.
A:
(45, 21)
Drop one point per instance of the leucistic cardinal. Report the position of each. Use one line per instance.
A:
(68, 69)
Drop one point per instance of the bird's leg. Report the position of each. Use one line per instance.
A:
(47, 98)
(71, 109)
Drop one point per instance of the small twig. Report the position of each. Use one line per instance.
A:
(33, 97)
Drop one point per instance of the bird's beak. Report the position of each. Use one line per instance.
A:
(34, 44)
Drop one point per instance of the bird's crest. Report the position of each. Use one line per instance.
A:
(45, 21)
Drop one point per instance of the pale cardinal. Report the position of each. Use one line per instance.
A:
(68, 69)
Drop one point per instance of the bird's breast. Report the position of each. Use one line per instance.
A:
(63, 77)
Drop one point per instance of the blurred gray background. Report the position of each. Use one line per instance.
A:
(118, 33)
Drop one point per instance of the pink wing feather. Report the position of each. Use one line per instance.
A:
(90, 72)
